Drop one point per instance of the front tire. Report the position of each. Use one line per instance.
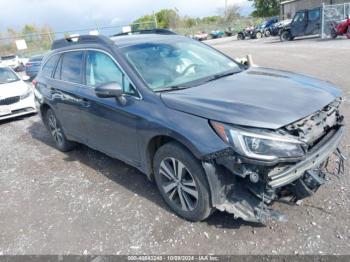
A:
(182, 182)
(56, 131)
(285, 36)
(258, 35)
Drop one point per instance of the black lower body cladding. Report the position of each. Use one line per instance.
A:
(247, 189)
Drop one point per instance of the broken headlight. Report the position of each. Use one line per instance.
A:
(258, 144)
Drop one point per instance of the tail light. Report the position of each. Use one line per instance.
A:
(34, 82)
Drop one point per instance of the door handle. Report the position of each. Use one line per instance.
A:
(85, 102)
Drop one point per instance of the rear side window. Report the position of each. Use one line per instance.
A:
(314, 15)
(49, 66)
(71, 66)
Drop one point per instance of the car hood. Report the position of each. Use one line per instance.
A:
(13, 89)
(258, 97)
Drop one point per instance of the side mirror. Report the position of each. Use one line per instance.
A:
(112, 89)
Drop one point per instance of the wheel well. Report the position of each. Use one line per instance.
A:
(155, 143)
(43, 111)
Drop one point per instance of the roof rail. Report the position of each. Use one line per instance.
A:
(148, 31)
(81, 39)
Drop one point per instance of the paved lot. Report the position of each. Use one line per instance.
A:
(84, 202)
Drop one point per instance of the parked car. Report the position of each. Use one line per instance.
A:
(32, 67)
(201, 36)
(277, 28)
(13, 61)
(265, 28)
(304, 23)
(212, 133)
(216, 34)
(16, 97)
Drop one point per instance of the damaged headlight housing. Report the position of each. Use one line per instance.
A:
(258, 144)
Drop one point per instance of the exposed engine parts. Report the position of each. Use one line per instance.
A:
(256, 184)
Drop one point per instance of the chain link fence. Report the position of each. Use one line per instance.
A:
(333, 14)
(37, 43)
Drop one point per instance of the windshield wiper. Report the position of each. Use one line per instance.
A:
(170, 88)
(217, 76)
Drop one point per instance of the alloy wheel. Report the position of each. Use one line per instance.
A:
(56, 131)
(178, 184)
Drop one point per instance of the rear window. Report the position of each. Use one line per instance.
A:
(71, 66)
(49, 66)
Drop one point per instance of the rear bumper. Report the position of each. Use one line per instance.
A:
(313, 160)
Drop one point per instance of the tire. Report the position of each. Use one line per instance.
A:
(240, 36)
(285, 36)
(56, 131)
(348, 33)
(188, 194)
(334, 33)
(267, 33)
(258, 35)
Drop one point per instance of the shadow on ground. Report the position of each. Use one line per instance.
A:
(127, 176)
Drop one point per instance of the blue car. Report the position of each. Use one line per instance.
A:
(33, 66)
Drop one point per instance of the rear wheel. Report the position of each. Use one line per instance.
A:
(240, 36)
(258, 35)
(182, 182)
(286, 36)
(267, 33)
(56, 131)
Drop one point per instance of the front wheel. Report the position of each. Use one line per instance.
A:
(258, 35)
(55, 128)
(285, 36)
(182, 182)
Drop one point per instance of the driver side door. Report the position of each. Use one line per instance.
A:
(111, 126)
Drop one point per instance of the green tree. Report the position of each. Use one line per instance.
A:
(265, 8)
(144, 22)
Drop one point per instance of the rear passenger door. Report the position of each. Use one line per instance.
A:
(314, 22)
(66, 97)
(111, 126)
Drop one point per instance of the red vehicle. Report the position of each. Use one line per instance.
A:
(342, 28)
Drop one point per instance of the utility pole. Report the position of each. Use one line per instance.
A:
(155, 19)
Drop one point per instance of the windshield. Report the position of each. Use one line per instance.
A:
(7, 76)
(180, 63)
(9, 57)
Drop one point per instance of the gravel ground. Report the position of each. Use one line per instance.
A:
(84, 202)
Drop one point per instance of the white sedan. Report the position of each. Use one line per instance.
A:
(16, 97)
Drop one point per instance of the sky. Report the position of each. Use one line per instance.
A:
(69, 15)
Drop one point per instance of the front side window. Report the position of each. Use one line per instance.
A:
(71, 66)
(101, 69)
(7, 76)
(169, 64)
(49, 66)
(299, 17)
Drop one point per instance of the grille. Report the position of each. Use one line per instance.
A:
(9, 100)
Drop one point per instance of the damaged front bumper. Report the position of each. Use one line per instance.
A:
(249, 199)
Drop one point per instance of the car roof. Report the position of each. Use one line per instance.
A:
(130, 40)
